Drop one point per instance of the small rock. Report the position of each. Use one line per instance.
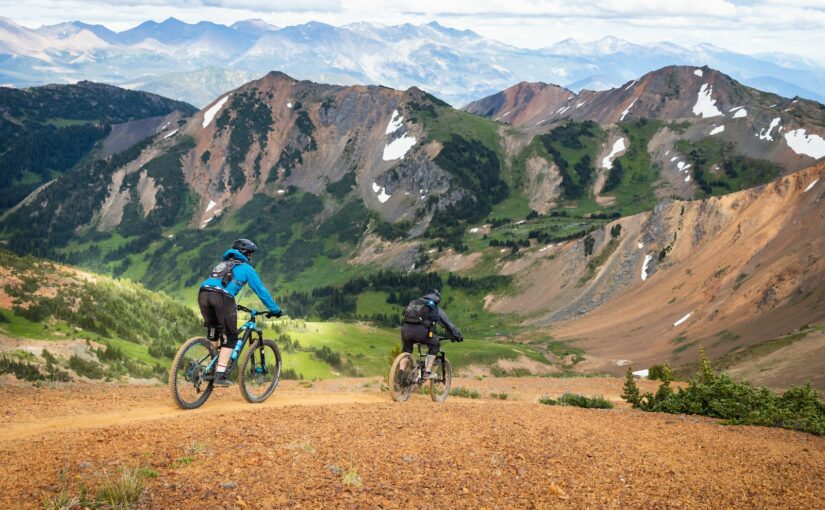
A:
(84, 465)
(228, 485)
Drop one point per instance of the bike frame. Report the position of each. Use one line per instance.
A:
(249, 328)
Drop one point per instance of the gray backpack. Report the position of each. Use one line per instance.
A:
(420, 311)
(223, 270)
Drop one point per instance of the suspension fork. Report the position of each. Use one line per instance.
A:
(263, 350)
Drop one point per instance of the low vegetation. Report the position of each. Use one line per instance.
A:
(737, 403)
(718, 169)
(575, 400)
(460, 391)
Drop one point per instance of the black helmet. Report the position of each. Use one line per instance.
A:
(434, 295)
(245, 246)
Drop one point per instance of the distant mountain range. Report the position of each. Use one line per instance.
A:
(198, 62)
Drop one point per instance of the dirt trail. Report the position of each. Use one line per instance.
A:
(144, 413)
(343, 444)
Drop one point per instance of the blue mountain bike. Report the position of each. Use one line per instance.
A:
(193, 369)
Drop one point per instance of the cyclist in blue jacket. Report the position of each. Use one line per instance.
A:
(216, 300)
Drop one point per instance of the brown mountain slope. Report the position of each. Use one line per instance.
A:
(737, 270)
(700, 102)
(523, 104)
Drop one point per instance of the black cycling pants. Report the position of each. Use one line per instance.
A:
(218, 310)
(418, 334)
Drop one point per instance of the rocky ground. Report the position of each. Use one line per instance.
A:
(344, 444)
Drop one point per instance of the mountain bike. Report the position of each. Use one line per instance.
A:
(404, 382)
(193, 369)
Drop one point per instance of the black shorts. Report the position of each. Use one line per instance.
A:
(418, 334)
(218, 310)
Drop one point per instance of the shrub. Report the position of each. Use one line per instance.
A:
(85, 368)
(630, 392)
(396, 350)
(460, 391)
(738, 403)
(288, 374)
(500, 396)
(575, 400)
(657, 372)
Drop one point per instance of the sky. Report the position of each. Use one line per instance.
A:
(789, 26)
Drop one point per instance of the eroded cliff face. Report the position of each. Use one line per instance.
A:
(723, 273)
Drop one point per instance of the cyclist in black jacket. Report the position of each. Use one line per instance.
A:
(420, 319)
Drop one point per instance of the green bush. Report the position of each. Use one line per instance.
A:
(738, 403)
(460, 391)
(658, 372)
(85, 368)
(575, 400)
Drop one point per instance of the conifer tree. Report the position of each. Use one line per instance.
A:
(630, 392)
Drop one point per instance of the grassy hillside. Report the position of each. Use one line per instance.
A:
(57, 323)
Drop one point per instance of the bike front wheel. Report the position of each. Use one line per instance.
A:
(400, 386)
(260, 371)
(187, 378)
(440, 389)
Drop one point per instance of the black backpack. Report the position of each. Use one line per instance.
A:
(223, 270)
(420, 312)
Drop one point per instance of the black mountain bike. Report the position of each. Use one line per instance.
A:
(193, 369)
(404, 382)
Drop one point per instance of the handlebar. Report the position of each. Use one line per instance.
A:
(254, 313)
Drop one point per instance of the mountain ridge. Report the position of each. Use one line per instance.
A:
(103, 55)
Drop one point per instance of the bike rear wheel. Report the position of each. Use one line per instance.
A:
(187, 384)
(260, 371)
(440, 389)
(400, 387)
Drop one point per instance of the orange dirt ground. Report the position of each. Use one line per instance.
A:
(293, 450)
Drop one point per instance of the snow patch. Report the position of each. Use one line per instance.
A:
(674, 158)
(687, 179)
(683, 319)
(705, 105)
(170, 134)
(698, 72)
(811, 185)
(640, 245)
(717, 130)
(624, 113)
(682, 166)
(381, 191)
(766, 134)
(631, 84)
(810, 145)
(396, 121)
(474, 230)
(740, 114)
(545, 248)
(579, 105)
(618, 146)
(289, 105)
(645, 372)
(398, 147)
(281, 191)
(213, 110)
(211, 206)
(648, 258)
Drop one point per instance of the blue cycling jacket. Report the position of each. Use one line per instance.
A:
(241, 275)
